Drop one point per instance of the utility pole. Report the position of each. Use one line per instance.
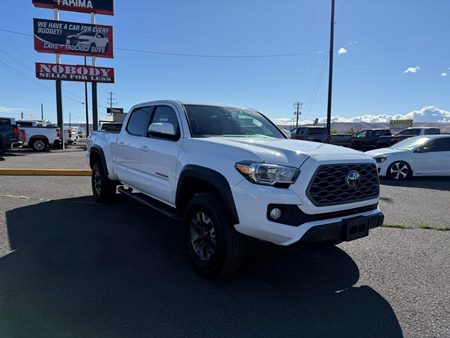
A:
(70, 120)
(330, 73)
(111, 100)
(42, 111)
(297, 105)
(86, 103)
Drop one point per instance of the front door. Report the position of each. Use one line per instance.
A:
(433, 158)
(158, 157)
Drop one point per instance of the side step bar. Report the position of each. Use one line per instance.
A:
(152, 203)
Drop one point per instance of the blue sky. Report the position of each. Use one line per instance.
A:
(382, 39)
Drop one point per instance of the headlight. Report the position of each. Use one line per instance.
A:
(380, 159)
(267, 174)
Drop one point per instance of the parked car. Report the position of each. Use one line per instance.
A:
(9, 134)
(92, 40)
(427, 155)
(229, 172)
(39, 135)
(343, 140)
(316, 134)
(71, 135)
(371, 139)
(409, 132)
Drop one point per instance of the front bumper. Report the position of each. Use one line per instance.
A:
(326, 223)
(345, 230)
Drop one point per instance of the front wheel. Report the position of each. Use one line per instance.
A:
(215, 248)
(399, 171)
(103, 189)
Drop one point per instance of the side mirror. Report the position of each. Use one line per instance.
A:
(423, 149)
(163, 130)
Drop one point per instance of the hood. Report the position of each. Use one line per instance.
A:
(286, 152)
(384, 152)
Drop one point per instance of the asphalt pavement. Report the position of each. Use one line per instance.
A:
(71, 267)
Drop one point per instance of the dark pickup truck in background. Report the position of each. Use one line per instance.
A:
(312, 133)
(371, 139)
(9, 134)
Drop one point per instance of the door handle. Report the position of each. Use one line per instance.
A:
(145, 148)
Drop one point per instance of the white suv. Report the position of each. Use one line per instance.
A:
(229, 173)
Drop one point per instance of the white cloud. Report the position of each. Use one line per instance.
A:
(426, 114)
(342, 50)
(411, 70)
(444, 74)
(4, 109)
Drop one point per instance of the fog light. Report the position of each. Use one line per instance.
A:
(275, 213)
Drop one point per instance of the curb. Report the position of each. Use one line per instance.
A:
(44, 172)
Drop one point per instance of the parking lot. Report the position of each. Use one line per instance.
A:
(71, 267)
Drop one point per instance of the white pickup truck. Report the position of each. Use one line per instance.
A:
(39, 135)
(229, 173)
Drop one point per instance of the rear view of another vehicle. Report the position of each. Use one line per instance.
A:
(343, 140)
(9, 134)
(315, 134)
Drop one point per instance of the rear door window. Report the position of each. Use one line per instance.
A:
(432, 131)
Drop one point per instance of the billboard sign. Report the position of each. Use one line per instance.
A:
(51, 71)
(86, 6)
(401, 123)
(73, 38)
(114, 111)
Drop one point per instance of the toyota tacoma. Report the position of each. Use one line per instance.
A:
(229, 174)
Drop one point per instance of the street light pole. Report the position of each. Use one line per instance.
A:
(330, 73)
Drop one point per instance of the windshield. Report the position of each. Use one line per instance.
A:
(411, 143)
(210, 121)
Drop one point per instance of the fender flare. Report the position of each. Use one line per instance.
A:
(213, 178)
(98, 151)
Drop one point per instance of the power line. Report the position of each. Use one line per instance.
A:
(316, 88)
(224, 56)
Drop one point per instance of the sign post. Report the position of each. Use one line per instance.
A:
(72, 38)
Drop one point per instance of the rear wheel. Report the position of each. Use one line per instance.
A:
(215, 248)
(399, 171)
(39, 145)
(103, 189)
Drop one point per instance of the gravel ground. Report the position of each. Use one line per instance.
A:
(418, 202)
(71, 267)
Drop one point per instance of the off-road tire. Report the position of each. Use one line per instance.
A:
(230, 246)
(103, 189)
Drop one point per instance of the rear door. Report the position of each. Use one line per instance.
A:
(158, 157)
(129, 144)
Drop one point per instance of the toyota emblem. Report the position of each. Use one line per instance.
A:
(352, 179)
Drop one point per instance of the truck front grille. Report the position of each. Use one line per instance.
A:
(329, 185)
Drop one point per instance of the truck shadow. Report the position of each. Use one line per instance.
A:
(77, 268)
(435, 183)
